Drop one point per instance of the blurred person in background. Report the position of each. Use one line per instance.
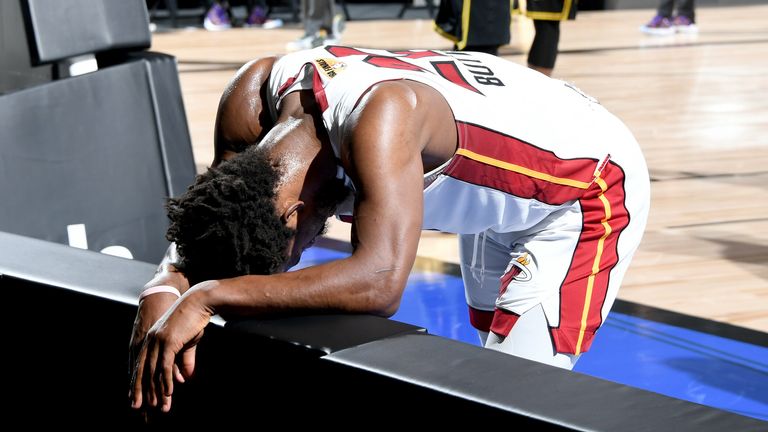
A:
(486, 29)
(322, 25)
(546, 15)
(668, 23)
(219, 17)
(488, 21)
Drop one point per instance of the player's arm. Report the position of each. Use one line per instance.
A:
(384, 160)
(153, 306)
(240, 122)
(242, 118)
(167, 272)
(385, 141)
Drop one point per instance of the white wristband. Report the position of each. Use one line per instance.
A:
(159, 289)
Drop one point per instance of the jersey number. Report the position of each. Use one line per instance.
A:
(446, 69)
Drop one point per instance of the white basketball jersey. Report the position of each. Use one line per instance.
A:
(528, 144)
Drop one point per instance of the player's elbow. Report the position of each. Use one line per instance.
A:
(390, 310)
(384, 297)
(383, 307)
(387, 307)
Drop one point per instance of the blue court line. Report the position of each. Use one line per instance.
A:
(675, 361)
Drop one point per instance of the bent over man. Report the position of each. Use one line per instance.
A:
(547, 190)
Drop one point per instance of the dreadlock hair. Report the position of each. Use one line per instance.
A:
(226, 223)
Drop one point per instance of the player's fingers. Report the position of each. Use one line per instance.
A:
(165, 377)
(187, 368)
(166, 403)
(177, 374)
(150, 369)
(133, 357)
(138, 374)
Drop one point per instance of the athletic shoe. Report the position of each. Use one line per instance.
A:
(272, 24)
(336, 30)
(331, 41)
(217, 18)
(683, 24)
(658, 26)
(339, 24)
(258, 18)
(305, 42)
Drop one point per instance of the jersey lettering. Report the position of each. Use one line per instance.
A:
(391, 62)
(451, 72)
(489, 81)
(482, 73)
(446, 69)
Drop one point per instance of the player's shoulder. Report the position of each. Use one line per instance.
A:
(302, 56)
(402, 97)
(255, 69)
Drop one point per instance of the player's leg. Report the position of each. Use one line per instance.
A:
(573, 263)
(483, 335)
(528, 301)
(543, 52)
(505, 288)
(530, 339)
(482, 264)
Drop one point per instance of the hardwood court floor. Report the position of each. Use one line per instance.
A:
(697, 104)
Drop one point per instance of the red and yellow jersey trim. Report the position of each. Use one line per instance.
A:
(491, 159)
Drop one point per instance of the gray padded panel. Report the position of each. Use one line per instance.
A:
(513, 384)
(85, 150)
(61, 29)
(172, 127)
(73, 269)
(16, 69)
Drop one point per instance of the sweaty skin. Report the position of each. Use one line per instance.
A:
(241, 119)
(400, 127)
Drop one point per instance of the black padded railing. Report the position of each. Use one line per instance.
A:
(65, 356)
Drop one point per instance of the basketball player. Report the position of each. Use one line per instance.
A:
(548, 192)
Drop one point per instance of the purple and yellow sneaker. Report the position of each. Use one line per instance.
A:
(217, 18)
(258, 18)
(658, 26)
(683, 24)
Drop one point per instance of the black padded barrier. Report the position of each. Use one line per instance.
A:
(64, 355)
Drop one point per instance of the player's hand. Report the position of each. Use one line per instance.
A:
(151, 308)
(168, 351)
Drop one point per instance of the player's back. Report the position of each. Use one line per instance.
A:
(481, 89)
(527, 143)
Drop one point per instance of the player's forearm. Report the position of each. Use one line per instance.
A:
(168, 274)
(348, 285)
